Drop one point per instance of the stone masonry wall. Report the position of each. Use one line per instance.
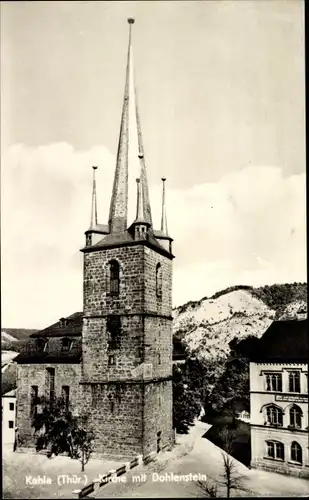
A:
(158, 415)
(97, 300)
(152, 302)
(159, 345)
(96, 351)
(35, 374)
(127, 415)
(116, 417)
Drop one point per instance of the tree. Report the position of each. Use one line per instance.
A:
(234, 383)
(186, 403)
(83, 443)
(230, 478)
(193, 382)
(58, 431)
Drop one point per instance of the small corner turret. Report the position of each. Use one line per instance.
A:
(95, 231)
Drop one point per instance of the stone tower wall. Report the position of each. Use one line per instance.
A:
(116, 412)
(142, 404)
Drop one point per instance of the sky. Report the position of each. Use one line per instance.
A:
(221, 92)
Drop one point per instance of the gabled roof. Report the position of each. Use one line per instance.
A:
(71, 327)
(10, 394)
(52, 355)
(74, 324)
(284, 341)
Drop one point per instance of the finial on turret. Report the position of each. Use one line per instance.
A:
(163, 216)
(94, 212)
(131, 20)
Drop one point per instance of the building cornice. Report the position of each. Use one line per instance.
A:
(280, 362)
(287, 394)
(137, 313)
(146, 243)
(280, 429)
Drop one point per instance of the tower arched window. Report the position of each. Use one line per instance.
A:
(296, 452)
(274, 415)
(295, 416)
(113, 326)
(114, 277)
(159, 281)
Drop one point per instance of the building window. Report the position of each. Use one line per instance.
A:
(63, 322)
(42, 344)
(274, 382)
(296, 453)
(275, 450)
(294, 381)
(159, 441)
(65, 394)
(159, 281)
(113, 326)
(295, 416)
(66, 344)
(50, 376)
(111, 360)
(34, 400)
(11, 406)
(11, 424)
(114, 277)
(274, 415)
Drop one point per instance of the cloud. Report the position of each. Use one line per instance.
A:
(248, 228)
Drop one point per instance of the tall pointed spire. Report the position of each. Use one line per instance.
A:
(94, 209)
(119, 203)
(163, 216)
(143, 176)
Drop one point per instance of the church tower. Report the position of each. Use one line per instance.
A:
(126, 381)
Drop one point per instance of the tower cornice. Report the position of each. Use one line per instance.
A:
(147, 243)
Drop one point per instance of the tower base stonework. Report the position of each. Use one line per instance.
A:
(129, 419)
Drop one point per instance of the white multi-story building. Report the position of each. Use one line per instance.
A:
(9, 417)
(279, 399)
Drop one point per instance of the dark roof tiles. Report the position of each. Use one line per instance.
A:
(284, 341)
(53, 353)
(71, 327)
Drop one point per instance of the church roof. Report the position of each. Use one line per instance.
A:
(72, 326)
(284, 341)
(53, 354)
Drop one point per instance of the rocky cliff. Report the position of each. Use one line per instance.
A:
(206, 327)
